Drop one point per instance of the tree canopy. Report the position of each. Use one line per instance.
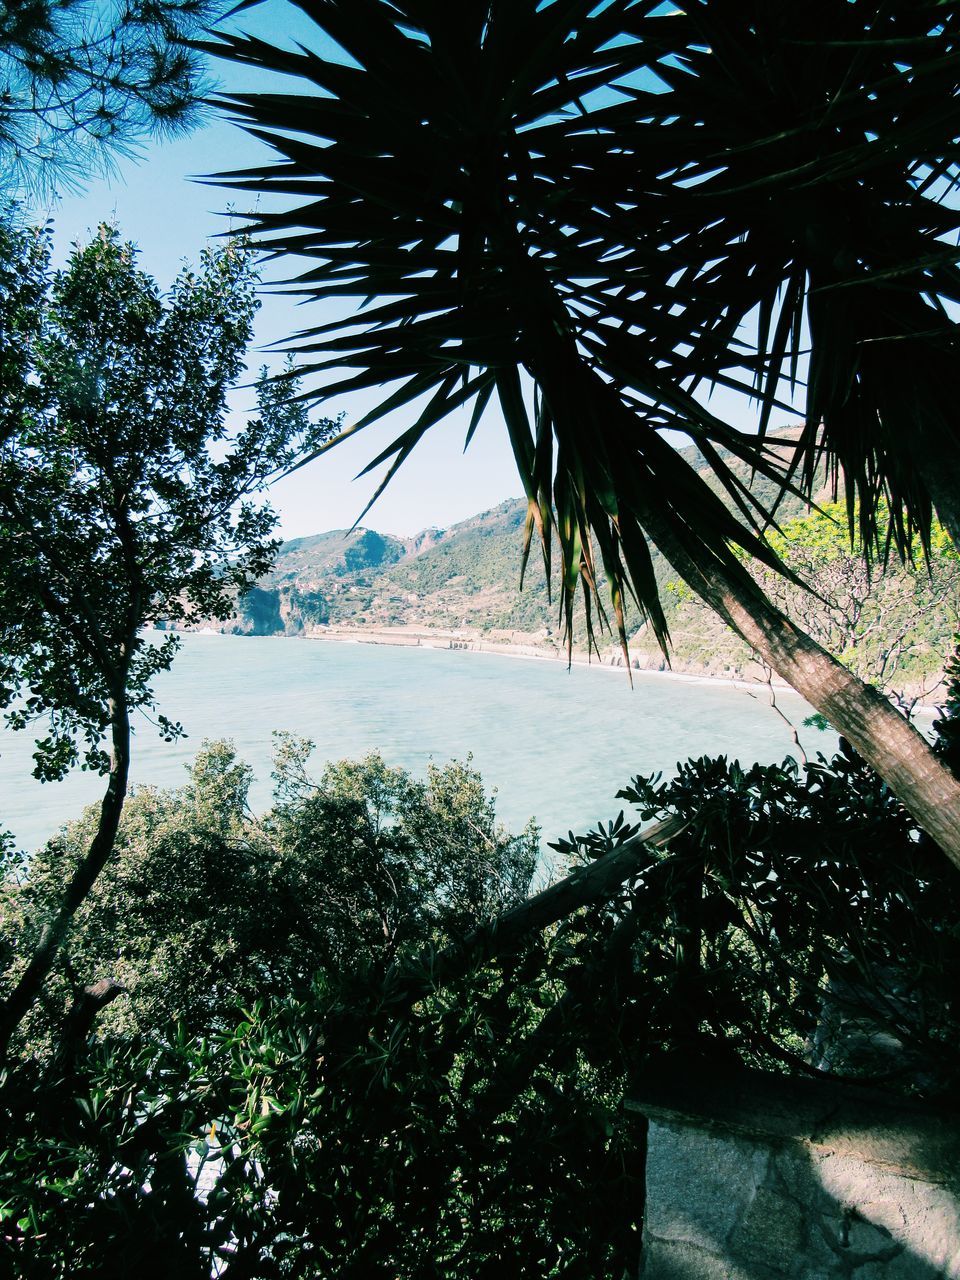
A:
(81, 82)
(125, 498)
(209, 906)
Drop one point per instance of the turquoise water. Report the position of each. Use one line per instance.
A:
(556, 744)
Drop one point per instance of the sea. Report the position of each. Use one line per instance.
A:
(555, 744)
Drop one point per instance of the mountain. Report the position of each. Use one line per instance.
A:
(465, 578)
(461, 587)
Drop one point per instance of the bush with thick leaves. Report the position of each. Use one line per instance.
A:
(382, 1124)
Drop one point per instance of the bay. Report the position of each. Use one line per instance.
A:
(556, 744)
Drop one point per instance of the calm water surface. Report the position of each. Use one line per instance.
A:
(557, 745)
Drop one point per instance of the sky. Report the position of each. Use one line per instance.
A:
(157, 203)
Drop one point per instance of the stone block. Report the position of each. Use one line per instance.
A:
(764, 1180)
(697, 1193)
(923, 1217)
(771, 1232)
(678, 1260)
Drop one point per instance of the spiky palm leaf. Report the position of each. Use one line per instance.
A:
(816, 147)
(597, 196)
(439, 177)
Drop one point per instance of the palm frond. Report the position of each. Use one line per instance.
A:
(615, 205)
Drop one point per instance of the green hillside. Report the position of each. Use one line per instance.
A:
(465, 576)
(466, 579)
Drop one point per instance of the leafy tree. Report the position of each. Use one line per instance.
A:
(385, 861)
(600, 198)
(208, 906)
(123, 500)
(459, 1111)
(81, 82)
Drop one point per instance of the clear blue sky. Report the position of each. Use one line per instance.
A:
(156, 204)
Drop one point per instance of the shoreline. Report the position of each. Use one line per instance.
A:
(454, 641)
(450, 641)
(444, 640)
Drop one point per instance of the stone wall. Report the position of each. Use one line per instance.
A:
(768, 1178)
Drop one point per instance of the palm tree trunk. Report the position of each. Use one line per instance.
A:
(18, 1003)
(887, 741)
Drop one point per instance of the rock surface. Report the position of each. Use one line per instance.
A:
(765, 1184)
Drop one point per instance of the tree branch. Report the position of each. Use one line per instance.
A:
(407, 983)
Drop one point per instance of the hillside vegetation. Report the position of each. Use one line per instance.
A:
(893, 627)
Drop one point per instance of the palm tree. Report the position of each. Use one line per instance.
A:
(618, 201)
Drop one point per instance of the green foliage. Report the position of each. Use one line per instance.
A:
(368, 550)
(386, 862)
(343, 1130)
(380, 1148)
(207, 906)
(81, 82)
(123, 497)
(798, 921)
(823, 532)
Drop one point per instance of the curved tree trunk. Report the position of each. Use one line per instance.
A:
(885, 739)
(18, 1003)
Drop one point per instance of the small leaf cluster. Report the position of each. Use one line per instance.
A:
(82, 82)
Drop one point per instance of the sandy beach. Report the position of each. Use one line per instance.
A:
(610, 660)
